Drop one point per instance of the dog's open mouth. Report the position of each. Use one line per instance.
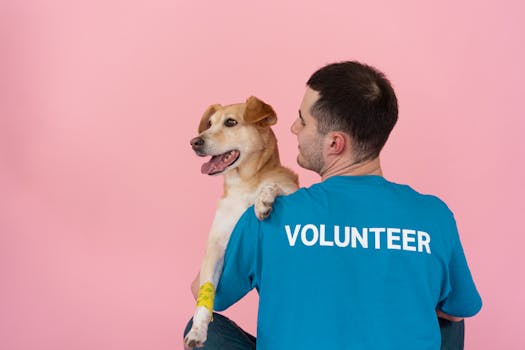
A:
(217, 164)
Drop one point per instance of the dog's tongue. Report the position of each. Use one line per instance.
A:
(218, 163)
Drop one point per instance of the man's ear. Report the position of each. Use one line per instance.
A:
(338, 143)
(258, 112)
(205, 120)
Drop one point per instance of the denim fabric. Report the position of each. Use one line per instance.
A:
(224, 334)
(452, 334)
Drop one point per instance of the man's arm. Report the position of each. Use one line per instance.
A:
(461, 297)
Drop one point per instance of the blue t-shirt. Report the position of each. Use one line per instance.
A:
(354, 262)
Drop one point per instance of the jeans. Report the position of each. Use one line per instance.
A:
(224, 334)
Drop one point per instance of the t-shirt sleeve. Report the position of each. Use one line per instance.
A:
(239, 274)
(462, 298)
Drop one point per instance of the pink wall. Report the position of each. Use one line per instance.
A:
(103, 211)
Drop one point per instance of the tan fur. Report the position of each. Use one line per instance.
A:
(256, 178)
(203, 125)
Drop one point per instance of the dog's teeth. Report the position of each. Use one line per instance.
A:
(227, 156)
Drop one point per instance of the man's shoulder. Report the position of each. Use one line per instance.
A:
(297, 198)
(403, 195)
(425, 200)
(433, 203)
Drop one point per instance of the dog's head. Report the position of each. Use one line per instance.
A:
(231, 133)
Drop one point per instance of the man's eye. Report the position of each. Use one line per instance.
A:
(230, 122)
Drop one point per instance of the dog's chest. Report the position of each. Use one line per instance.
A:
(241, 197)
(229, 210)
(239, 191)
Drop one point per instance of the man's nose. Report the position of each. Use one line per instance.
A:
(293, 128)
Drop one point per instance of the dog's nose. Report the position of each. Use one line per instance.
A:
(197, 142)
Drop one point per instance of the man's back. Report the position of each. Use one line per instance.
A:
(353, 262)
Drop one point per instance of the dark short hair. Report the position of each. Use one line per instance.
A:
(357, 99)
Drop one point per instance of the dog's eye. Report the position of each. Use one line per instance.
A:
(230, 122)
(209, 124)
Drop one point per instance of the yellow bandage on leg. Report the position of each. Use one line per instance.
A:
(206, 296)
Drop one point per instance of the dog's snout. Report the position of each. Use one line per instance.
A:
(197, 142)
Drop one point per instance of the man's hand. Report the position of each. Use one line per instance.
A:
(448, 317)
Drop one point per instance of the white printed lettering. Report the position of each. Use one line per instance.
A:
(407, 240)
(363, 239)
(391, 238)
(423, 240)
(323, 240)
(357, 237)
(377, 232)
(315, 236)
(337, 238)
(292, 237)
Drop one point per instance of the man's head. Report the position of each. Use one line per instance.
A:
(347, 98)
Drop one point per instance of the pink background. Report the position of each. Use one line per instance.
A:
(103, 210)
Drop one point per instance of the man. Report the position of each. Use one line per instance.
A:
(356, 261)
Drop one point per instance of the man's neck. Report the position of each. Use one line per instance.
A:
(343, 167)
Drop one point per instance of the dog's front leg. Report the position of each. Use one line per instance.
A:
(211, 270)
(209, 277)
(266, 194)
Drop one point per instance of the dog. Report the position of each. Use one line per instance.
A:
(243, 148)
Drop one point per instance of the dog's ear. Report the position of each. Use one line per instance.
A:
(205, 120)
(259, 113)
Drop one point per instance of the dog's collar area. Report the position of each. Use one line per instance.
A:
(219, 163)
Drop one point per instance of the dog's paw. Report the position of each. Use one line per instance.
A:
(263, 210)
(195, 338)
(264, 200)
